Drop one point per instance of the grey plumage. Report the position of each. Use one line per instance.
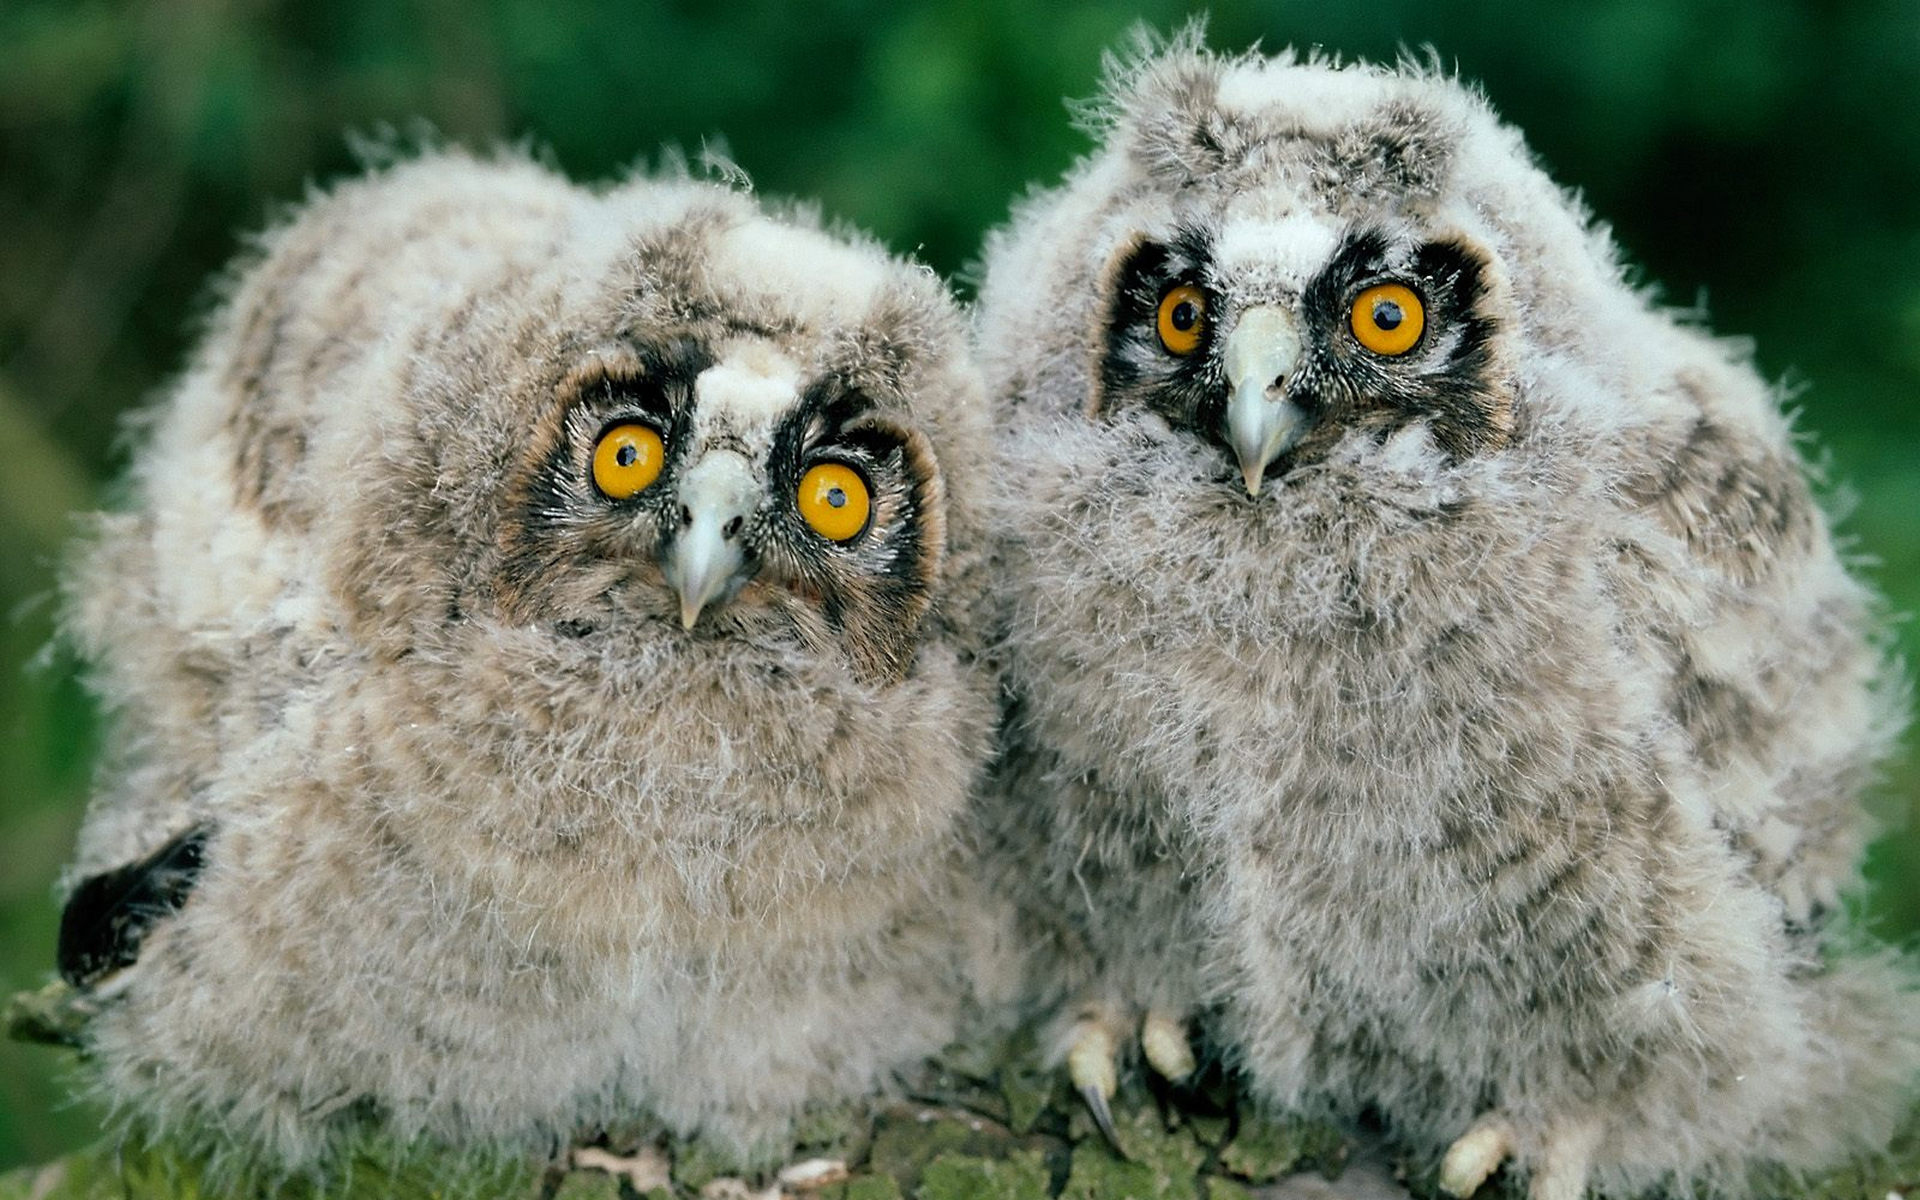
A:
(1489, 713)
(531, 804)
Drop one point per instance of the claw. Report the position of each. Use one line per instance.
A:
(1103, 1117)
(1477, 1154)
(1092, 1067)
(1164, 1041)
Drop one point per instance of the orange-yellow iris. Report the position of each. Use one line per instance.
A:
(1388, 318)
(834, 501)
(1182, 319)
(626, 459)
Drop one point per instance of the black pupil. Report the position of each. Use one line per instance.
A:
(626, 454)
(836, 497)
(1387, 314)
(1184, 316)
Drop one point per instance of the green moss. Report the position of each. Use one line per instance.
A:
(908, 1138)
(863, 1187)
(1160, 1162)
(1173, 1153)
(1211, 1131)
(1097, 1175)
(1266, 1148)
(588, 1185)
(1022, 1175)
(833, 1131)
(1028, 1090)
(917, 1151)
(967, 1077)
(1226, 1189)
(373, 1168)
(1025, 1101)
(696, 1164)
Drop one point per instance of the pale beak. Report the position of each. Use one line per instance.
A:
(1262, 424)
(707, 561)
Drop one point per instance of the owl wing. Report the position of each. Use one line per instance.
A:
(1775, 671)
(110, 914)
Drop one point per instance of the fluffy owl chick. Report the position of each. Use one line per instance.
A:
(1433, 640)
(541, 652)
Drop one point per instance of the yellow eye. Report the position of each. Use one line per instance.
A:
(626, 459)
(1388, 318)
(1183, 318)
(833, 499)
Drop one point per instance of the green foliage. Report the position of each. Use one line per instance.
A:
(1766, 152)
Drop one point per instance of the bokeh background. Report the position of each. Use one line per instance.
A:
(1762, 156)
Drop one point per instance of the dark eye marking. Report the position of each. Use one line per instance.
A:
(556, 518)
(1155, 346)
(1411, 334)
(873, 586)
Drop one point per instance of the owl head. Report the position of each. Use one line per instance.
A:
(1275, 256)
(655, 412)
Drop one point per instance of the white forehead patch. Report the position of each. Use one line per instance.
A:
(813, 277)
(1289, 251)
(745, 393)
(1317, 100)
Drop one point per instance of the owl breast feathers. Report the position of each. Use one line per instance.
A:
(541, 644)
(1444, 639)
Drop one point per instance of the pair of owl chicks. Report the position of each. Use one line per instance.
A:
(582, 652)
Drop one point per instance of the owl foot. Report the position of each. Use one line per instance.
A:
(1093, 1064)
(1093, 1056)
(1560, 1174)
(1477, 1154)
(645, 1170)
(1163, 1039)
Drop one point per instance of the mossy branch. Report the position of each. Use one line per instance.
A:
(984, 1123)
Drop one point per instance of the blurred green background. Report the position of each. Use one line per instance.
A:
(1762, 155)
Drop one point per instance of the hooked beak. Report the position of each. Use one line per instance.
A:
(1261, 423)
(706, 562)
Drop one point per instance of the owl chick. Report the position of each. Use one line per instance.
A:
(541, 648)
(1425, 649)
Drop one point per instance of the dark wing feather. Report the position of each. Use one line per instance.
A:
(109, 914)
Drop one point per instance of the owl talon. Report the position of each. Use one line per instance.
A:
(1092, 1064)
(1476, 1155)
(1164, 1041)
(1102, 1116)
